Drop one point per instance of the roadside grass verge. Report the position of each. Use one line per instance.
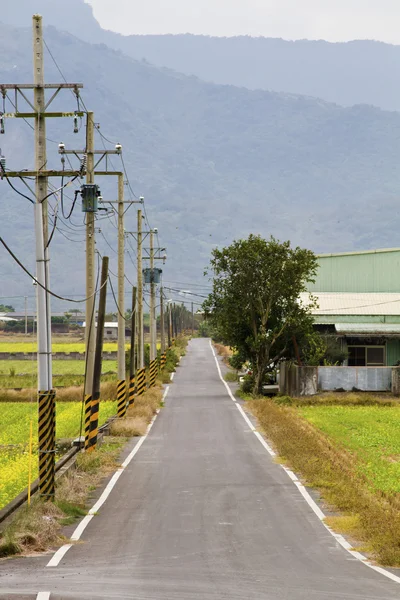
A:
(373, 516)
(68, 394)
(223, 351)
(231, 376)
(39, 527)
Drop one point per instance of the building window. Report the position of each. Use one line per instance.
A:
(109, 331)
(366, 356)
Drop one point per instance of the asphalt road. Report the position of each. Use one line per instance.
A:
(201, 513)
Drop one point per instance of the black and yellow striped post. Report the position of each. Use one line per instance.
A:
(153, 373)
(141, 381)
(131, 391)
(46, 439)
(52, 449)
(88, 410)
(121, 398)
(163, 360)
(94, 423)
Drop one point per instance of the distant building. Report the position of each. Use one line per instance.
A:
(111, 330)
(358, 295)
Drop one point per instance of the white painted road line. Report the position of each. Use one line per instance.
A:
(312, 504)
(61, 552)
(165, 393)
(228, 389)
(43, 596)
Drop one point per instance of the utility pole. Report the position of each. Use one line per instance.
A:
(131, 395)
(162, 325)
(121, 385)
(192, 319)
(39, 112)
(153, 322)
(91, 438)
(26, 315)
(140, 290)
(169, 317)
(90, 331)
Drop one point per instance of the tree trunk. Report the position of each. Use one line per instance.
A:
(258, 381)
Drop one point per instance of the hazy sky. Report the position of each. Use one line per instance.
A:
(335, 20)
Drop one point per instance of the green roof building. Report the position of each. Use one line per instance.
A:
(358, 297)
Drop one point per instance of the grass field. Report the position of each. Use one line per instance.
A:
(371, 433)
(29, 347)
(60, 367)
(351, 453)
(14, 440)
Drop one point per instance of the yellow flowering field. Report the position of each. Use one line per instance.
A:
(14, 440)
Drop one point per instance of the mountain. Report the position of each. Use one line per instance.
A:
(214, 162)
(357, 72)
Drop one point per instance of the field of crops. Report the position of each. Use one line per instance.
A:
(31, 347)
(60, 367)
(371, 433)
(14, 440)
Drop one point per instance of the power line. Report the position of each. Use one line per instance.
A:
(37, 282)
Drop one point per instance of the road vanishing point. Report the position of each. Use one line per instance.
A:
(201, 512)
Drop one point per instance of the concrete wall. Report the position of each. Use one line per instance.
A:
(306, 381)
(368, 379)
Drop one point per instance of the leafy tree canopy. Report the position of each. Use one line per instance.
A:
(6, 308)
(255, 304)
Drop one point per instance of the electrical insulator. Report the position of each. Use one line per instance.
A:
(2, 129)
(90, 195)
(2, 165)
(83, 163)
(76, 128)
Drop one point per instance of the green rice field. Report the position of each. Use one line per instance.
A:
(370, 433)
(14, 440)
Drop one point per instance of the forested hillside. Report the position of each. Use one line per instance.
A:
(357, 72)
(214, 162)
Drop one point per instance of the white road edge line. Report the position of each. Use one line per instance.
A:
(228, 389)
(61, 552)
(312, 504)
(43, 596)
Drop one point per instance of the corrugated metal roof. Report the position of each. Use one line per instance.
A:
(341, 303)
(357, 252)
(375, 328)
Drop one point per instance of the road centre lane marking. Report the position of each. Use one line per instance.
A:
(312, 504)
(61, 552)
(43, 596)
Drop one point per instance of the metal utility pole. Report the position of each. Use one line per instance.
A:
(153, 322)
(140, 291)
(90, 331)
(162, 325)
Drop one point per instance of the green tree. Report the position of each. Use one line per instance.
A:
(6, 308)
(255, 305)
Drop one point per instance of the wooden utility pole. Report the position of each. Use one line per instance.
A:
(91, 439)
(153, 322)
(140, 291)
(132, 369)
(162, 324)
(169, 317)
(192, 319)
